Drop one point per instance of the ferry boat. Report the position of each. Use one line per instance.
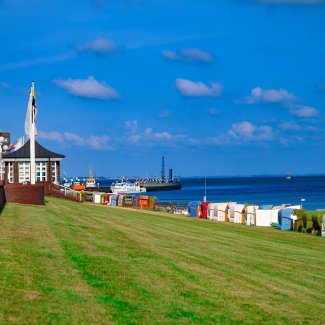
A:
(125, 187)
(91, 180)
(77, 186)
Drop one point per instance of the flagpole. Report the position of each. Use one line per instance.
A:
(32, 140)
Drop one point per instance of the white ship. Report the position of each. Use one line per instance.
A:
(91, 180)
(125, 187)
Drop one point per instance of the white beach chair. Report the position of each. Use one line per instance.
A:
(239, 213)
(250, 215)
(222, 210)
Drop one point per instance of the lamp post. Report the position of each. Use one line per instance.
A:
(301, 200)
(205, 190)
(4, 147)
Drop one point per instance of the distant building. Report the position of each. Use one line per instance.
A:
(6, 136)
(17, 164)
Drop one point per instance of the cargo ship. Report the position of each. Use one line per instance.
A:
(162, 183)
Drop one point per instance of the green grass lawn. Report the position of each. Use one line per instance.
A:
(70, 263)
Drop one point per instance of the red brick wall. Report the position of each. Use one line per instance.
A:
(16, 176)
(48, 171)
(2, 196)
(47, 187)
(59, 171)
(26, 194)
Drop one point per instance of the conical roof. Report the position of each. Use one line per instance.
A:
(40, 152)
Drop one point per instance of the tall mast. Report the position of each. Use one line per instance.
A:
(162, 174)
(32, 138)
(205, 189)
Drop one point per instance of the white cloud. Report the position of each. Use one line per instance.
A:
(248, 132)
(198, 89)
(241, 132)
(38, 61)
(99, 142)
(289, 126)
(74, 138)
(170, 137)
(195, 142)
(195, 54)
(54, 136)
(188, 55)
(170, 55)
(131, 126)
(303, 111)
(148, 131)
(287, 141)
(163, 136)
(148, 137)
(259, 95)
(97, 46)
(88, 88)
(134, 138)
(242, 129)
(92, 142)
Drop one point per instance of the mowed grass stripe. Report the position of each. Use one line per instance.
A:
(132, 266)
(37, 282)
(125, 279)
(276, 272)
(268, 250)
(133, 231)
(230, 266)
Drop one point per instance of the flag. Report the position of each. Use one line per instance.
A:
(31, 112)
(18, 144)
(30, 130)
(34, 110)
(12, 146)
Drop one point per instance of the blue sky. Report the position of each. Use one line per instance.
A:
(227, 87)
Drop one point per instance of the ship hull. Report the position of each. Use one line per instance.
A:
(99, 189)
(153, 187)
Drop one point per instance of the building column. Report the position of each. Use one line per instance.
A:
(16, 172)
(6, 172)
(58, 171)
(49, 171)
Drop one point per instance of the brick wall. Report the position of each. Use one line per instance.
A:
(2, 197)
(59, 171)
(47, 187)
(48, 171)
(16, 176)
(26, 194)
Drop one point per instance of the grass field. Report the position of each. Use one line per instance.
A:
(70, 263)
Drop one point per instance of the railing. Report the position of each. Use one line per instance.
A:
(68, 192)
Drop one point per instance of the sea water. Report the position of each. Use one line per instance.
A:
(306, 190)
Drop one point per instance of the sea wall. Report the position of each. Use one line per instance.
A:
(25, 194)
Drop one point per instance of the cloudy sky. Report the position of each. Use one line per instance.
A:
(227, 87)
